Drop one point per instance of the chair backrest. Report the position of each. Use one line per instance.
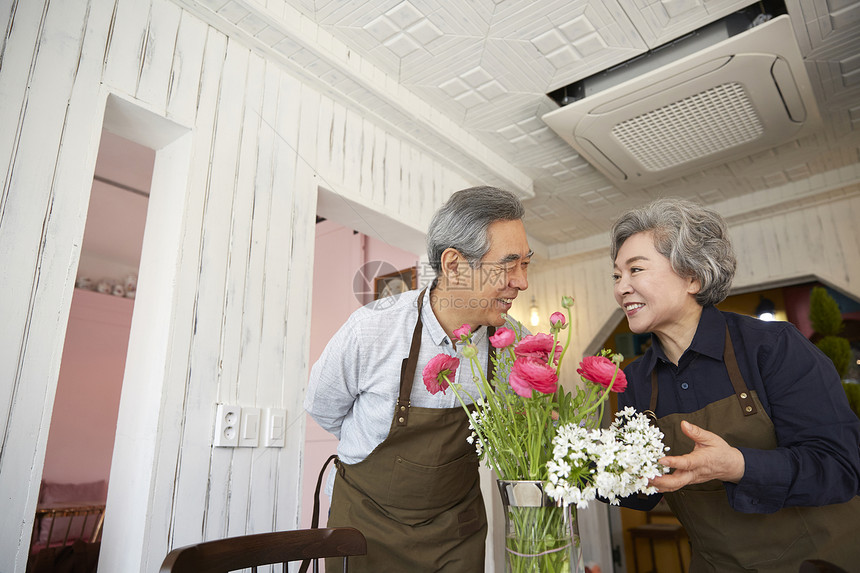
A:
(234, 553)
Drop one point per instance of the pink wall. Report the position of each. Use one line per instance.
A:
(339, 255)
(83, 425)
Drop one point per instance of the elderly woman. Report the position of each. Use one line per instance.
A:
(765, 449)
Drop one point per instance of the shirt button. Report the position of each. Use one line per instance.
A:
(445, 341)
(684, 385)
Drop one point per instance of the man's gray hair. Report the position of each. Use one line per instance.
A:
(462, 223)
(694, 239)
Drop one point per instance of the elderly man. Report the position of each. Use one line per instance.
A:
(406, 477)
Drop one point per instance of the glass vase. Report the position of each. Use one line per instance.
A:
(540, 535)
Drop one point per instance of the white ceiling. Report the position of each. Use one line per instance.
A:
(467, 80)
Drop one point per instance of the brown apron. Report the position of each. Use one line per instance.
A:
(416, 497)
(723, 539)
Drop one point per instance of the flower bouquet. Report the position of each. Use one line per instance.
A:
(545, 444)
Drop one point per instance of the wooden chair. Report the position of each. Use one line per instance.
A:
(658, 532)
(235, 553)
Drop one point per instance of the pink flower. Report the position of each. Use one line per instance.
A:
(529, 374)
(599, 370)
(503, 338)
(557, 320)
(463, 332)
(538, 346)
(438, 371)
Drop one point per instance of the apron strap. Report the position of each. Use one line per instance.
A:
(410, 364)
(745, 400)
(315, 519)
(407, 369)
(743, 394)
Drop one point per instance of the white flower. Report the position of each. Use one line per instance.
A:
(613, 463)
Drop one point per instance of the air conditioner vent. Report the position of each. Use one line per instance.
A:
(747, 93)
(703, 124)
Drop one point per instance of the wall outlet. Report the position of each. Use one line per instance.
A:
(249, 433)
(227, 419)
(275, 428)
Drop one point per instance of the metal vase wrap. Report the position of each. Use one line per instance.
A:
(541, 536)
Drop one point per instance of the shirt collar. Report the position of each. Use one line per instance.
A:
(710, 338)
(434, 329)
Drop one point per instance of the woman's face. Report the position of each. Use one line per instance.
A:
(654, 298)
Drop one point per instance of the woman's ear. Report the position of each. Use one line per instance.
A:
(694, 286)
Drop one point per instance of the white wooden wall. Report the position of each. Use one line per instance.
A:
(231, 299)
(817, 237)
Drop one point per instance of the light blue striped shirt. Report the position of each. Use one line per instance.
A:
(354, 385)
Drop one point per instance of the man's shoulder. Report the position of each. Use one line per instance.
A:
(389, 311)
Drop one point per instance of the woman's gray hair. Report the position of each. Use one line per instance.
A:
(694, 239)
(462, 223)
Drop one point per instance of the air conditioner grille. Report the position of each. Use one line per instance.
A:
(703, 124)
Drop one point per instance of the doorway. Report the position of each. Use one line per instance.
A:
(80, 443)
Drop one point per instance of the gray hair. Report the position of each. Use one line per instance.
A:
(462, 223)
(693, 238)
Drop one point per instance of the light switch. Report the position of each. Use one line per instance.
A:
(226, 426)
(275, 428)
(249, 435)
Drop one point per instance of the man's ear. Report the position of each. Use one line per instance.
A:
(451, 260)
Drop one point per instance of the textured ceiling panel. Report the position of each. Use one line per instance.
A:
(486, 66)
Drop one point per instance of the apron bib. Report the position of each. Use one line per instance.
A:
(416, 497)
(725, 540)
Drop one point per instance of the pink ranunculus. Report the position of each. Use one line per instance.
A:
(462, 333)
(600, 369)
(538, 346)
(529, 374)
(439, 371)
(557, 319)
(503, 338)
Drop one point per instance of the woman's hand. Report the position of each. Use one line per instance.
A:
(711, 458)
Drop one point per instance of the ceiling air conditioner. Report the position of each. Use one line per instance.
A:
(747, 93)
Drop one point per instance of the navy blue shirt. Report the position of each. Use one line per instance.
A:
(817, 461)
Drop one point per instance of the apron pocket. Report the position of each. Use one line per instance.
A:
(420, 487)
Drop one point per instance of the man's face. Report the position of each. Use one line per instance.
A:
(486, 292)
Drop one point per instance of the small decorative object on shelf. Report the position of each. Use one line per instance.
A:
(126, 288)
(546, 445)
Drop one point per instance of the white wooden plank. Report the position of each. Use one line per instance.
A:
(158, 54)
(189, 497)
(847, 213)
(393, 186)
(184, 81)
(336, 147)
(37, 260)
(184, 77)
(368, 149)
(207, 383)
(297, 342)
(20, 40)
(783, 257)
(833, 256)
(323, 153)
(260, 499)
(30, 185)
(377, 176)
(212, 350)
(238, 288)
(127, 43)
(297, 108)
(353, 136)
